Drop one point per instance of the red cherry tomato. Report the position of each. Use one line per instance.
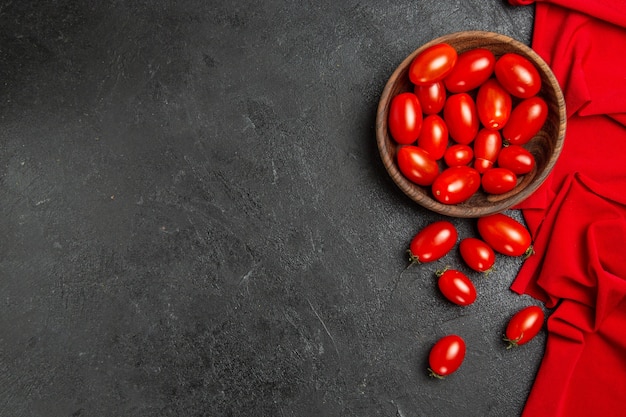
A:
(446, 356)
(456, 287)
(517, 159)
(487, 146)
(456, 184)
(431, 96)
(432, 64)
(457, 155)
(472, 68)
(405, 118)
(493, 104)
(498, 181)
(417, 165)
(524, 326)
(518, 75)
(434, 136)
(477, 254)
(433, 242)
(460, 116)
(527, 118)
(505, 235)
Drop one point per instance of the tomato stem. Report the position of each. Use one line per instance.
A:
(489, 271)
(413, 258)
(529, 252)
(441, 271)
(512, 342)
(434, 374)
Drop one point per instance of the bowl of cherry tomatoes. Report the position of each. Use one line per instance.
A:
(471, 123)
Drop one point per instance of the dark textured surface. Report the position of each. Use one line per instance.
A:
(196, 221)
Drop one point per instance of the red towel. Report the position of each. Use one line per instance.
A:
(578, 217)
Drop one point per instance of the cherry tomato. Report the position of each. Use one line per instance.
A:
(527, 118)
(456, 184)
(456, 287)
(487, 146)
(457, 155)
(432, 242)
(477, 254)
(431, 96)
(493, 104)
(432, 64)
(524, 326)
(405, 118)
(498, 181)
(505, 235)
(472, 68)
(517, 159)
(518, 75)
(417, 165)
(434, 136)
(460, 115)
(446, 356)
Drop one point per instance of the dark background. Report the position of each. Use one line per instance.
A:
(196, 222)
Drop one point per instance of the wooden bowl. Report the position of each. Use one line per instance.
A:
(545, 146)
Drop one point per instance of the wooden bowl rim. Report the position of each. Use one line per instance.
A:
(460, 210)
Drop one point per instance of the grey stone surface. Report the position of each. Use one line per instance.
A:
(196, 221)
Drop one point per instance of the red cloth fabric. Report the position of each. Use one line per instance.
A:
(581, 271)
(611, 11)
(578, 216)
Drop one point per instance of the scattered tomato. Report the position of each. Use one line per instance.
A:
(457, 155)
(455, 185)
(434, 136)
(527, 118)
(505, 235)
(518, 75)
(405, 118)
(446, 356)
(473, 67)
(493, 104)
(487, 146)
(477, 254)
(460, 115)
(498, 180)
(456, 287)
(432, 64)
(417, 165)
(432, 242)
(516, 158)
(524, 326)
(431, 96)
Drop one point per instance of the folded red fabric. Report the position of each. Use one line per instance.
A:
(607, 10)
(578, 216)
(581, 272)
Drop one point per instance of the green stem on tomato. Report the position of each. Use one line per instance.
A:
(489, 271)
(529, 252)
(413, 258)
(434, 374)
(441, 271)
(512, 342)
